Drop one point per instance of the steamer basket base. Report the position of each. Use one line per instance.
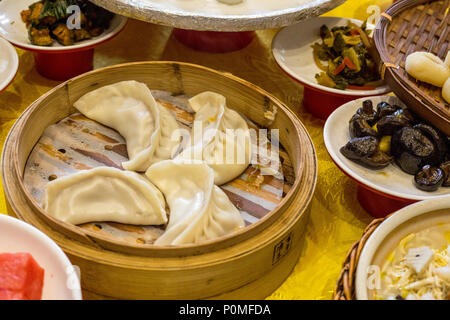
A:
(250, 265)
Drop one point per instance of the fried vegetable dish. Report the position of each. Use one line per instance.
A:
(349, 64)
(46, 21)
(392, 133)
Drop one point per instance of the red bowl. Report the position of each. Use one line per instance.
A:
(56, 62)
(213, 41)
(376, 203)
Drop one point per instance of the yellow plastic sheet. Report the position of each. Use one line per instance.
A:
(337, 219)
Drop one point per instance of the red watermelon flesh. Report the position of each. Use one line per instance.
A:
(21, 277)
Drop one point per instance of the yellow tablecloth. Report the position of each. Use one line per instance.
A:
(337, 219)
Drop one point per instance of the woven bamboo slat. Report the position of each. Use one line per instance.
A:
(406, 27)
(345, 286)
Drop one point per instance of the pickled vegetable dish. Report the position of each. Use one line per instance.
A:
(344, 58)
(46, 22)
(391, 134)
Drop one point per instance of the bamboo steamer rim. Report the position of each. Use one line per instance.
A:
(419, 99)
(345, 286)
(300, 131)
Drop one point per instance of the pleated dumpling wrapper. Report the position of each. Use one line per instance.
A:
(231, 2)
(220, 137)
(150, 130)
(199, 210)
(105, 194)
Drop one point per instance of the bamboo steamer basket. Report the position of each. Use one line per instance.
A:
(249, 264)
(408, 26)
(379, 240)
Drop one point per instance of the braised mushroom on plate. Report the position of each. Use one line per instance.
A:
(400, 142)
(392, 133)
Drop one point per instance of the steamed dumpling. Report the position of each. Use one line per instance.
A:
(170, 136)
(446, 90)
(199, 210)
(231, 2)
(105, 194)
(427, 67)
(223, 141)
(130, 108)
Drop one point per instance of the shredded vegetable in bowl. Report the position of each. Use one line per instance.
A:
(344, 58)
(419, 268)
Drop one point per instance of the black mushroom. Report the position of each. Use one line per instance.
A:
(438, 139)
(405, 113)
(429, 178)
(385, 109)
(412, 149)
(359, 127)
(357, 148)
(389, 124)
(367, 112)
(445, 167)
(378, 160)
(365, 150)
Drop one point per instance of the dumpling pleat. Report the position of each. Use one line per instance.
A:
(199, 210)
(130, 108)
(223, 131)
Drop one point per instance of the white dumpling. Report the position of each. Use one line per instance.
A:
(446, 90)
(170, 136)
(199, 210)
(130, 108)
(225, 138)
(231, 2)
(105, 194)
(447, 59)
(427, 67)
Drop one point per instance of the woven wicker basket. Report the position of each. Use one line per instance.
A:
(409, 26)
(345, 286)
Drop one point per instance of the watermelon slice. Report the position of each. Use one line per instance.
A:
(21, 277)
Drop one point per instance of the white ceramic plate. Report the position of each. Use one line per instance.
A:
(390, 180)
(292, 50)
(60, 280)
(386, 230)
(9, 63)
(14, 30)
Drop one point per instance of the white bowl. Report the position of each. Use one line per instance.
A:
(292, 50)
(61, 282)
(14, 30)
(391, 180)
(391, 227)
(9, 64)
